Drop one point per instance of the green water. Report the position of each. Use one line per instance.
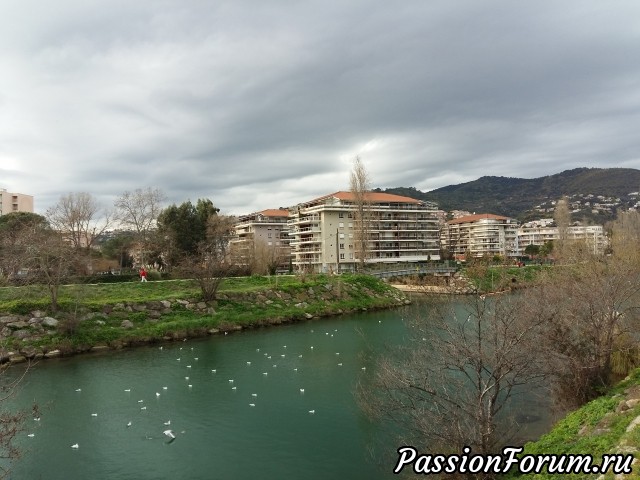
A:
(219, 434)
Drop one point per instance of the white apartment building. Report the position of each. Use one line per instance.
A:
(532, 234)
(266, 228)
(480, 235)
(15, 202)
(323, 232)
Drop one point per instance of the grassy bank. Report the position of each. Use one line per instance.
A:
(606, 425)
(125, 314)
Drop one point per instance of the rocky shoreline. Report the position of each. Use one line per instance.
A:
(39, 328)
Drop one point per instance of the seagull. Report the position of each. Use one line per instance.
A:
(234, 388)
(37, 419)
(337, 353)
(339, 364)
(169, 433)
(257, 349)
(254, 394)
(252, 404)
(157, 394)
(248, 363)
(31, 435)
(282, 355)
(195, 358)
(213, 371)
(129, 424)
(140, 401)
(299, 356)
(78, 389)
(302, 390)
(275, 366)
(94, 414)
(143, 408)
(177, 359)
(188, 366)
(75, 445)
(186, 378)
(190, 386)
(159, 348)
(168, 422)
(164, 388)
(230, 380)
(127, 389)
(284, 346)
(265, 373)
(312, 411)
(364, 368)
(295, 369)
(311, 347)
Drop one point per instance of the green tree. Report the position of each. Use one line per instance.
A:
(184, 227)
(532, 250)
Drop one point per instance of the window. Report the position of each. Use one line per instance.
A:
(341, 225)
(342, 246)
(342, 235)
(350, 225)
(269, 235)
(342, 256)
(341, 215)
(351, 235)
(351, 256)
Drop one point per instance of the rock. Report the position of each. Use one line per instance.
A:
(53, 354)
(213, 331)
(301, 305)
(21, 334)
(9, 319)
(118, 307)
(308, 316)
(49, 322)
(99, 348)
(634, 423)
(201, 305)
(38, 313)
(100, 322)
(29, 352)
(268, 302)
(632, 403)
(18, 325)
(139, 307)
(128, 324)
(166, 303)
(184, 303)
(17, 359)
(328, 286)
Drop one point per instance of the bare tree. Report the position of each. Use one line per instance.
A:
(597, 306)
(12, 422)
(267, 258)
(454, 384)
(211, 264)
(138, 211)
(360, 184)
(562, 217)
(80, 219)
(625, 236)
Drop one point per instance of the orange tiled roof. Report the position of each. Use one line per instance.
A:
(274, 212)
(479, 216)
(369, 197)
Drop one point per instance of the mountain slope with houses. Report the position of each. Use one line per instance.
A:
(596, 194)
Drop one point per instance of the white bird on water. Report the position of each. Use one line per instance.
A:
(157, 394)
(213, 370)
(129, 424)
(252, 404)
(167, 423)
(127, 389)
(169, 433)
(302, 390)
(143, 408)
(78, 389)
(31, 435)
(75, 445)
(312, 411)
(94, 414)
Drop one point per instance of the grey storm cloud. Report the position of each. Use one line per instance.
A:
(265, 104)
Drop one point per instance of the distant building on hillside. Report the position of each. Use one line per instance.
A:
(15, 202)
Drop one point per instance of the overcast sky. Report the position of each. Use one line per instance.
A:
(265, 103)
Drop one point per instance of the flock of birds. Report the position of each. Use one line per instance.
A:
(188, 361)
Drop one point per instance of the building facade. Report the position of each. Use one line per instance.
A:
(480, 235)
(262, 237)
(15, 202)
(398, 229)
(539, 234)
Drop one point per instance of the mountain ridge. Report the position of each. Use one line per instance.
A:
(596, 194)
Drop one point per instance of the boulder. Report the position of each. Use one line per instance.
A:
(166, 303)
(49, 322)
(18, 325)
(53, 354)
(17, 359)
(9, 319)
(21, 334)
(128, 324)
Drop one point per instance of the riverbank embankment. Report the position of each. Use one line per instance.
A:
(103, 317)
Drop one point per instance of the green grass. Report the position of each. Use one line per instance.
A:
(496, 278)
(237, 305)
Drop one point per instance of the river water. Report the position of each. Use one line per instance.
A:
(235, 405)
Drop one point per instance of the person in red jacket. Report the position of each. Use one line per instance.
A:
(143, 275)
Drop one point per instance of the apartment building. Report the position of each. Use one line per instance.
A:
(15, 202)
(399, 230)
(538, 233)
(480, 235)
(263, 233)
